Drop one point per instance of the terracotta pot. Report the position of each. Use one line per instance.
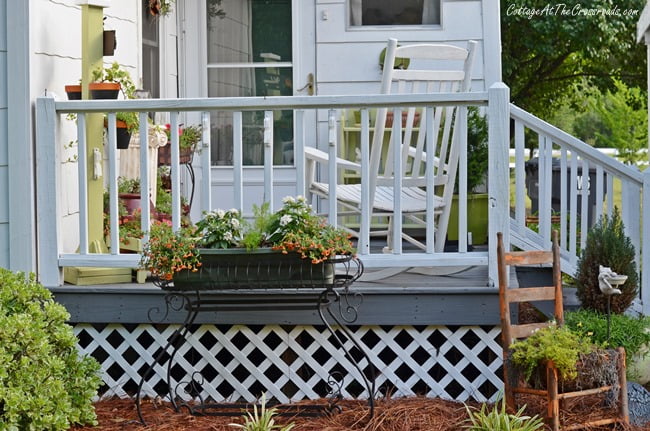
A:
(73, 91)
(123, 134)
(389, 119)
(104, 90)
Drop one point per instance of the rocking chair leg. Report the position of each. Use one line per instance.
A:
(553, 402)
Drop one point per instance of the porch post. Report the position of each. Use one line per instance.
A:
(47, 178)
(644, 291)
(498, 174)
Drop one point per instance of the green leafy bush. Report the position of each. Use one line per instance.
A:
(607, 245)
(553, 343)
(44, 383)
(498, 419)
(625, 331)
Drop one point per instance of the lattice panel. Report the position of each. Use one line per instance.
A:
(238, 363)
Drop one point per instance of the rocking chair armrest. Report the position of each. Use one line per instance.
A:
(319, 156)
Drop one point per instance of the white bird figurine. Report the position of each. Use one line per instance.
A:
(607, 279)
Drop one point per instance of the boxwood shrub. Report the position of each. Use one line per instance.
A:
(44, 383)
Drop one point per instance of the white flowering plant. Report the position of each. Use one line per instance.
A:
(220, 229)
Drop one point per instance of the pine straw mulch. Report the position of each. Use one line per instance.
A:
(399, 414)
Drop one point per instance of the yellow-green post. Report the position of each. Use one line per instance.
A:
(92, 53)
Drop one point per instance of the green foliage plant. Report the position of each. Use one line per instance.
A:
(477, 148)
(261, 420)
(624, 117)
(607, 245)
(553, 343)
(498, 419)
(188, 136)
(44, 383)
(632, 333)
(115, 73)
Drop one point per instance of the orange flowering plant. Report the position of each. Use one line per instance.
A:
(168, 252)
(295, 228)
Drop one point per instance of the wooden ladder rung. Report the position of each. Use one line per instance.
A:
(528, 294)
(536, 257)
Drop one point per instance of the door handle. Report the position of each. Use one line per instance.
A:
(309, 86)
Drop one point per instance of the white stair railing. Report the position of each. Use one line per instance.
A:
(573, 184)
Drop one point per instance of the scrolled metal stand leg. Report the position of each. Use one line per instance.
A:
(178, 334)
(325, 303)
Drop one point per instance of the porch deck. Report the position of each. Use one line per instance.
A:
(408, 298)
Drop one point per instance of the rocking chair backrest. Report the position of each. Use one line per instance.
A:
(413, 129)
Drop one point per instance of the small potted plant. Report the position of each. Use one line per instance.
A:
(188, 139)
(107, 82)
(580, 363)
(292, 248)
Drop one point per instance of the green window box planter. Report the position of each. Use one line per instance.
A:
(232, 269)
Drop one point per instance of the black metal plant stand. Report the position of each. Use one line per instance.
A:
(330, 296)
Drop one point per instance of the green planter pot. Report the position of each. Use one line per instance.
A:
(225, 269)
(477, 218)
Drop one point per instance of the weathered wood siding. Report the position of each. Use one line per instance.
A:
(4, 168)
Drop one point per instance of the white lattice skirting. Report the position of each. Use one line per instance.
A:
(292, 363)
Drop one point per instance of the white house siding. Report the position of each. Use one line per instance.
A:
(56, 62)
(4, 168)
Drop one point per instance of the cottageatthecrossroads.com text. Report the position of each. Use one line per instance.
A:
(562, 9)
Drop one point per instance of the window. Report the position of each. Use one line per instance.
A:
(249, 54)
(392, 12)
(150, 53)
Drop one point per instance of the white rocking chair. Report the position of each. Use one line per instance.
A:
(413, 193)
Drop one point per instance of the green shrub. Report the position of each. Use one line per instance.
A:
(44, 384)
(625, 331)
(498, 419)
(607, 245)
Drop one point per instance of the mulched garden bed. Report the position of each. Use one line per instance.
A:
(400, 414)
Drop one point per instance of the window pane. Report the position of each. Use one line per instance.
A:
(240, 31)
(237, 82)
(255, 32)
(390, 12)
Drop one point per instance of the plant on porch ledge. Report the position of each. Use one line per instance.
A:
(292, 247)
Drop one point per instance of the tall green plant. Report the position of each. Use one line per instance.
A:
(498, 419)
(44, 383)
(261, 420)
(607, 245)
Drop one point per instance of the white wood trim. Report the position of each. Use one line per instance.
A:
(644, 289)
(276, 103)
(498, 156)
(491, 42)
(22, 212)
(48, 175)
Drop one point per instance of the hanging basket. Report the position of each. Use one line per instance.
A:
(165, 155)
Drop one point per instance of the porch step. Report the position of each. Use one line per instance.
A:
(531, 277)
(87, 276)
